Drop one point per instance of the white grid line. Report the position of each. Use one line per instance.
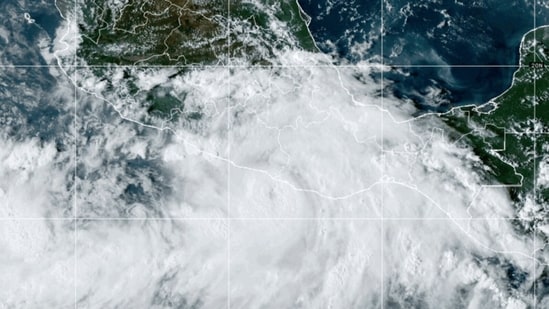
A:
(75, 197)
(225, 219)
(534, 172)
(228, 61)
(229, 219)
(372, 65)
(383, 162)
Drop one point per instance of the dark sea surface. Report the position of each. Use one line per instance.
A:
(22, 46)
(30, 106)
(423, 38)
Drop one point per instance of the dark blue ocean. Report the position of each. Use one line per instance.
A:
(19, 42)
(29, 105)
(422, 39)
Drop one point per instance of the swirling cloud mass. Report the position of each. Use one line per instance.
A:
(298, 185)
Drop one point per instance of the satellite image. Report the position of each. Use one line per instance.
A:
(274, 154)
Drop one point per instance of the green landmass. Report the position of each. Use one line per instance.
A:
(182, 33)
(252, 37)
(153, 32)
(508, 133)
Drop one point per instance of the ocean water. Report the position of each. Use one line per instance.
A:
(422, 38)
(19, 39)
(296, 153)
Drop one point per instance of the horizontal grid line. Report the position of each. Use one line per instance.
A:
(373, 65)
(260, 219)
(269, 219)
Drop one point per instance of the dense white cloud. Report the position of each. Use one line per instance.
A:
(337, 199)
(152, 264)
(37, 263)
(304, 143)
(318, 142)
(34, 179)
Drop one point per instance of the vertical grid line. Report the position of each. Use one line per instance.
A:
(535, 298)
(228, 62)
(228, 59)
(75, 206)
(382, 283)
